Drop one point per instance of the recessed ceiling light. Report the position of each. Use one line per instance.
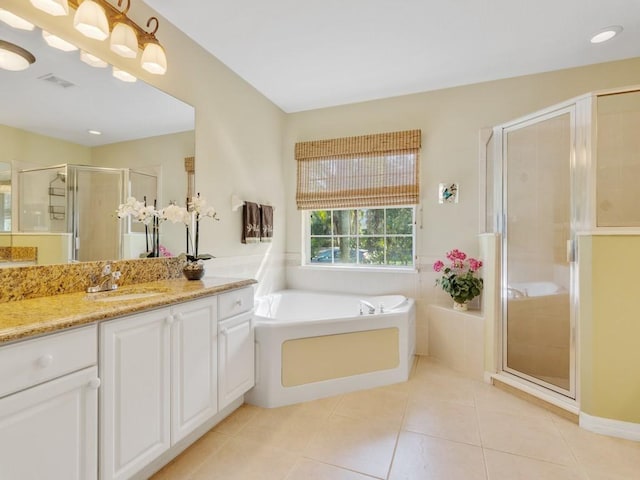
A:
(95, 132)
(606, 34)
(15, 21)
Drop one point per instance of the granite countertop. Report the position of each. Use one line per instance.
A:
(26, 318)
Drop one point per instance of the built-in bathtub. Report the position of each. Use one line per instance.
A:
(538, 343)
(311, 345)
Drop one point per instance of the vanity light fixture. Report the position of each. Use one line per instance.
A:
(56, 42)
(52, 7)
(122, 75)
(124, 40)
(14, 58)
(606, 34)
(92, 60)
(154, 59)
(91, 20)
(15, 21)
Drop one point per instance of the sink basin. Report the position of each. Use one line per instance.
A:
(126, 296)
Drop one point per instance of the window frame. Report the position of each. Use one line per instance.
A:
(306, 242)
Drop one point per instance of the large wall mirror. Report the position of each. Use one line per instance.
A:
(60, 181)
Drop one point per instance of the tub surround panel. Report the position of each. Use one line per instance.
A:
(299, 336)
(47, 314)
(18, 254)
(456, 340)
(45, 280)
(308, 360)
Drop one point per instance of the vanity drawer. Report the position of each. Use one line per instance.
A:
(235, 302)
(31, 362)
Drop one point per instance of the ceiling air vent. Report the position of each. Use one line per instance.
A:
(61, 82)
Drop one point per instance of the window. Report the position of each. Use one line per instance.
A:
(364, 237)
(358, 194)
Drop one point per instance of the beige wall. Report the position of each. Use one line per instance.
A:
(27, 150)
(450, 121)
(609, 327)
(238, 138)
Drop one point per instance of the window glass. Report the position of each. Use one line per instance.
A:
(362, 237)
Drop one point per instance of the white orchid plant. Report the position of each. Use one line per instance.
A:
(190, 216)
(147, 214)
(196, 210)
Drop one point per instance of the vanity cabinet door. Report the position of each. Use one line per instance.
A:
(194, 364)
(135, 393)
(51, 431)
(236, 354)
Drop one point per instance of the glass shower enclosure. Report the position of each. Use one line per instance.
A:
(534, 204)
(80, 200)
(550, 176)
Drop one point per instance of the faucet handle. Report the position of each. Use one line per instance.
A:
(106, 270)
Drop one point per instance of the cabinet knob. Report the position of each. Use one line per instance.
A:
(239, 302)
(94, 383)
(224, 332)
(169, 320)
(179, 317)
(45, 360)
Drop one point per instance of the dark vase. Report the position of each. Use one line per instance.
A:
(193, 270)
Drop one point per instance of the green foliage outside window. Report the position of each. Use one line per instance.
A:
(368, 236)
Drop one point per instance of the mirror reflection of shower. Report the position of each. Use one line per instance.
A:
(74, 205)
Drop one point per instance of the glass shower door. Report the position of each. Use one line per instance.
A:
(537, 250)
(97, 194)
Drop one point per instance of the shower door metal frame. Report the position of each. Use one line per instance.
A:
(500, 133)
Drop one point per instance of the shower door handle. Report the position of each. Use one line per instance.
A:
(571, 253)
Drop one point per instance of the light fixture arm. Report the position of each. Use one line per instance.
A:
(125, 9)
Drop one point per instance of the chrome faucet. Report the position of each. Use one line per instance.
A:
(106, 282)
(369, 306)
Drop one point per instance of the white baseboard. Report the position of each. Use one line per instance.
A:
(613, 428)
(488, 376)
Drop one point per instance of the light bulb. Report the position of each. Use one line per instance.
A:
(154, 59)
(91, 20)
(52, 7)
(124, 40)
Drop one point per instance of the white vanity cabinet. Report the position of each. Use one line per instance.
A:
(49, 407)
(194, 366)
(159, 372)
(236, 349)
(134, 397)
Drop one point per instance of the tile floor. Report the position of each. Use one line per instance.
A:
(438, 425)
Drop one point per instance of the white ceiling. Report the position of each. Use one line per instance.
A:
(121, 111)
(311, 54)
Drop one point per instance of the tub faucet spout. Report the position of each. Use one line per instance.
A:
(369, 306)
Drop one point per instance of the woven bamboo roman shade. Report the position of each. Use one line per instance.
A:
(355, 172)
